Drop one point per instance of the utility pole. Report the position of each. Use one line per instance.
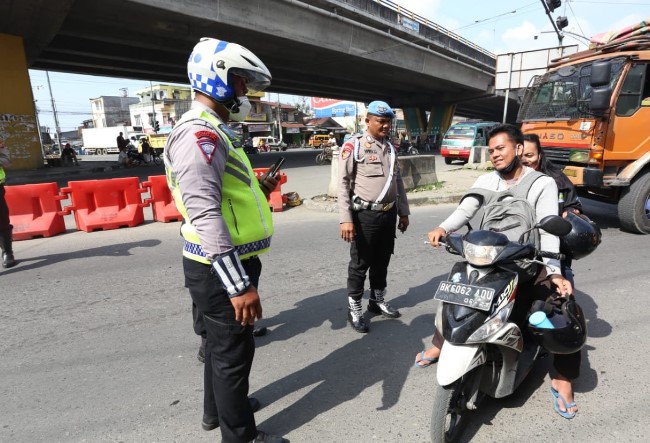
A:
(554, 4)
(56, 117)
(153, 108)
(279, 118)
(38, 125)
(356, 117)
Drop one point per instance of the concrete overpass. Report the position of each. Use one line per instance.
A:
(353, 50)
(345, 49)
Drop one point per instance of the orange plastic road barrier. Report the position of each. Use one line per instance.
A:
(105, 204)
(161, 201)
(34, 210)
(276, 201)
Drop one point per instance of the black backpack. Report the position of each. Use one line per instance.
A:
(509, 212)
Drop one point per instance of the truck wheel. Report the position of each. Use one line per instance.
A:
(634, 206)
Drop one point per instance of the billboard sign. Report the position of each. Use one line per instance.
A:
(327, 107)
(515, 70)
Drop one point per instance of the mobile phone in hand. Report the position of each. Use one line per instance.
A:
(276, 167)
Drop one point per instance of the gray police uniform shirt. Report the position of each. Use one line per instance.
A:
(197, 154)
(372, 170)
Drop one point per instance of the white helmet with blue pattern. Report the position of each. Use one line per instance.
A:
(212, 64)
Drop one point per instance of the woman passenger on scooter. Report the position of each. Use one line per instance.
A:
(534, 157)
(505, 149)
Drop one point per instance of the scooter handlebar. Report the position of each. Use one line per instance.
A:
(555, 255)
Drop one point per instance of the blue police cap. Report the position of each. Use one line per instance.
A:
(380, 109)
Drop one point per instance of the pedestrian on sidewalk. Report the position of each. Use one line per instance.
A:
(69, 156)
(5, 226)
(371, 197)
(205, 166)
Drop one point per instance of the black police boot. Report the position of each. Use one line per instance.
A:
(211, 422)
(355, 316)
(8, 260)
(378, 305)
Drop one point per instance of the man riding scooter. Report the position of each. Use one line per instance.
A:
(505, 148)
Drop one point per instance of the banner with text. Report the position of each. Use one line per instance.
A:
(327, 107)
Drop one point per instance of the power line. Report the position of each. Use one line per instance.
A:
(576, 19)
(515, 12)
(609, 3)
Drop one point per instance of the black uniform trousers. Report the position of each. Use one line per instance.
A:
(371, 249)
(197, 318)
(5, 226)
(229, 351)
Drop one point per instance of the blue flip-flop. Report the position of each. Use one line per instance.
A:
(556, 404)
(429, 361)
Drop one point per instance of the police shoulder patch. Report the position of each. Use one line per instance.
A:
(347, 150)
(207, 141)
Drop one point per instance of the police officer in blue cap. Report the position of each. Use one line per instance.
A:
(371, 198)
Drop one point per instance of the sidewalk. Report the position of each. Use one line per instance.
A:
(87, 170)
(456, 182)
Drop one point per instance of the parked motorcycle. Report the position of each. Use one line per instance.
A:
(324, 157)
(134, 156)
(406, 148)
(249, 148)
(485, 352)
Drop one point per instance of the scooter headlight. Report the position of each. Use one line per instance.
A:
(492, 325)
(480, 255)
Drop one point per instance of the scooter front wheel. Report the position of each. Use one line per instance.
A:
(450, 408)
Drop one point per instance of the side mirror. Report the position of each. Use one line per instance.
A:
(601, 73)
(556, 225)
(600, 99)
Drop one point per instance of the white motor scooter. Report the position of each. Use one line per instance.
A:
(484, 352)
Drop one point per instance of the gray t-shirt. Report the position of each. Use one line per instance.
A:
(542, 196)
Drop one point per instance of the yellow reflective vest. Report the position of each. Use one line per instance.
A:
(243, 204)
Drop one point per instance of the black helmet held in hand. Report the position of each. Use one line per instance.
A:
(583, 239)
(570, 329)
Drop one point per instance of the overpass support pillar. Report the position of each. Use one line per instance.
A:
(18, 122)
(439, 120)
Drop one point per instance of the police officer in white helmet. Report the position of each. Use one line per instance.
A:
(207, 167)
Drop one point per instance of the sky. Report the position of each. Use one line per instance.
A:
(499, 27)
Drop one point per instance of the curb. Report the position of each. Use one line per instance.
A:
(329, 204)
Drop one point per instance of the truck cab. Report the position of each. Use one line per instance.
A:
(591, 111)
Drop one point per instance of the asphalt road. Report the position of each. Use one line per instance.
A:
(303, 174)
(97, 342)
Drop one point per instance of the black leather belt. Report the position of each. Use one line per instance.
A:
(363, 204)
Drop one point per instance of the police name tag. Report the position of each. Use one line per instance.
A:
(477, 297)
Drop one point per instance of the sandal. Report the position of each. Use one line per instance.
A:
(556, 404)
(428, 361)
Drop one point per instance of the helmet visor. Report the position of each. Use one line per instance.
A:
(255, 81)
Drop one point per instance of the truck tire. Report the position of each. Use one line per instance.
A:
(634, 206)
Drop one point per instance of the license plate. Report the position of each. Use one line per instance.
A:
(477, 297)
(454, 152)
